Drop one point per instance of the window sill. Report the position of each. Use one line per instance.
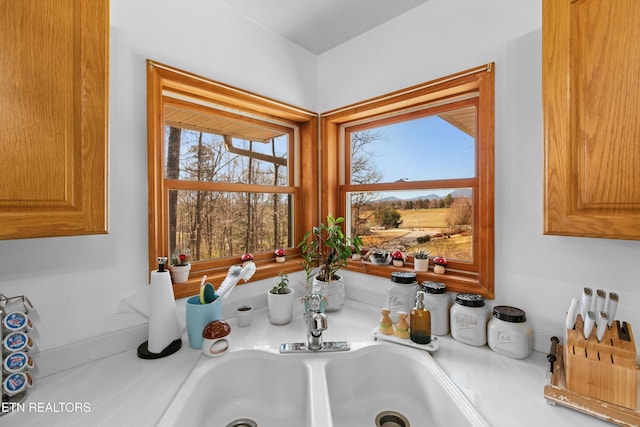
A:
(456, 280)
(265, 269)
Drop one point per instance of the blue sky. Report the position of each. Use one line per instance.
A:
(424, 148)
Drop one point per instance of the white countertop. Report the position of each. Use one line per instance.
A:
(123, 390)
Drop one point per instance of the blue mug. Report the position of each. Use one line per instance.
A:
(198, 316)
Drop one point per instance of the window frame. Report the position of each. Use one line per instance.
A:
(303, 167)
(477, 276)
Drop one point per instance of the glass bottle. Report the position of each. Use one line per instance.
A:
(420, 321)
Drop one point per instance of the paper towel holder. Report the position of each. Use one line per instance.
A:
(175, 345)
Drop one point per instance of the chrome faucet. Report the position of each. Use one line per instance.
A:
(316, 323)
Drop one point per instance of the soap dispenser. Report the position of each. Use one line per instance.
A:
(420, 321)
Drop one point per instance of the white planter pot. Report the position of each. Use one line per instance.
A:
(421, 264)
(180, 273)
(280, 307)
(334, 290)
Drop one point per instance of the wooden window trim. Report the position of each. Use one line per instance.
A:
(477, 277)
(162, 79)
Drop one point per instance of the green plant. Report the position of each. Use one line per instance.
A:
(421, 254)
(327, 248)
(282, 286)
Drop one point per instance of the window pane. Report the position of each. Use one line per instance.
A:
(207, 147)
(432, 147)
(440, 221)
(221, 224)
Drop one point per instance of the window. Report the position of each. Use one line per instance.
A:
(414, 170)
(229, 172)
(246, 203)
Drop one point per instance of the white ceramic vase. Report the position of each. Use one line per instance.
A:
(421, 264)
(334, 290)
(180, 273)
(280, 307)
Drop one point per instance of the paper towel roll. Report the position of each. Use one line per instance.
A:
(164, 327)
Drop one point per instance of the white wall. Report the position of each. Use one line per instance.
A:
(537, 273)
(76, 283)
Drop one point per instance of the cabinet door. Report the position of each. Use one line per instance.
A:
(591, 111)
(53, 117)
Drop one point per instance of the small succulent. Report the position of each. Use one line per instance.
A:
(421, 254)
(282, 286)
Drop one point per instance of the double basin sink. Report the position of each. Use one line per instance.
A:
(377, 384)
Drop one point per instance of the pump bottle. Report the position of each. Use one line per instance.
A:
(420, 321)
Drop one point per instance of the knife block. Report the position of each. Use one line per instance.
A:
(604, 370)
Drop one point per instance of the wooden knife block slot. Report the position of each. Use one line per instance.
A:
(604, 370)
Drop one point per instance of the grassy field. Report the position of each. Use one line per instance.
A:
(431, 221)
(424, 218)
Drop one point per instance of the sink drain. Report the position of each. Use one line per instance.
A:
(391, 419)
(242, 422)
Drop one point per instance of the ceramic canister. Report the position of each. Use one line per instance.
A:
(401, 293)
(469, 318)
(509, 333)
(438, 303)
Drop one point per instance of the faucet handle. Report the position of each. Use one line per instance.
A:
(315, 301)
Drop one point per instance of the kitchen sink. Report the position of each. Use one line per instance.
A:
(394, 381)
(242, 385)
(377, 384)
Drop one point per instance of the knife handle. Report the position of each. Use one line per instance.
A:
(572, 314)
(600, 297)
(588, 324)
(587, 293)
(612, 307)
(602, 325)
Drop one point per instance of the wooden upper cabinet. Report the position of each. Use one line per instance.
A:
(54, 62)
(591, 111)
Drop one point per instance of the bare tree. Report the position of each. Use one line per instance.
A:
(173, 172)
(363, 171)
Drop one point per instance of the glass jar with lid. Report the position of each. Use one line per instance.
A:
(401, 293)
(509, 332)
(469, 317)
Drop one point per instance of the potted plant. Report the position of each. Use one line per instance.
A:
(421, 260)
(180, 266)
(378, 256)
(280, 300)
(327, 249)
